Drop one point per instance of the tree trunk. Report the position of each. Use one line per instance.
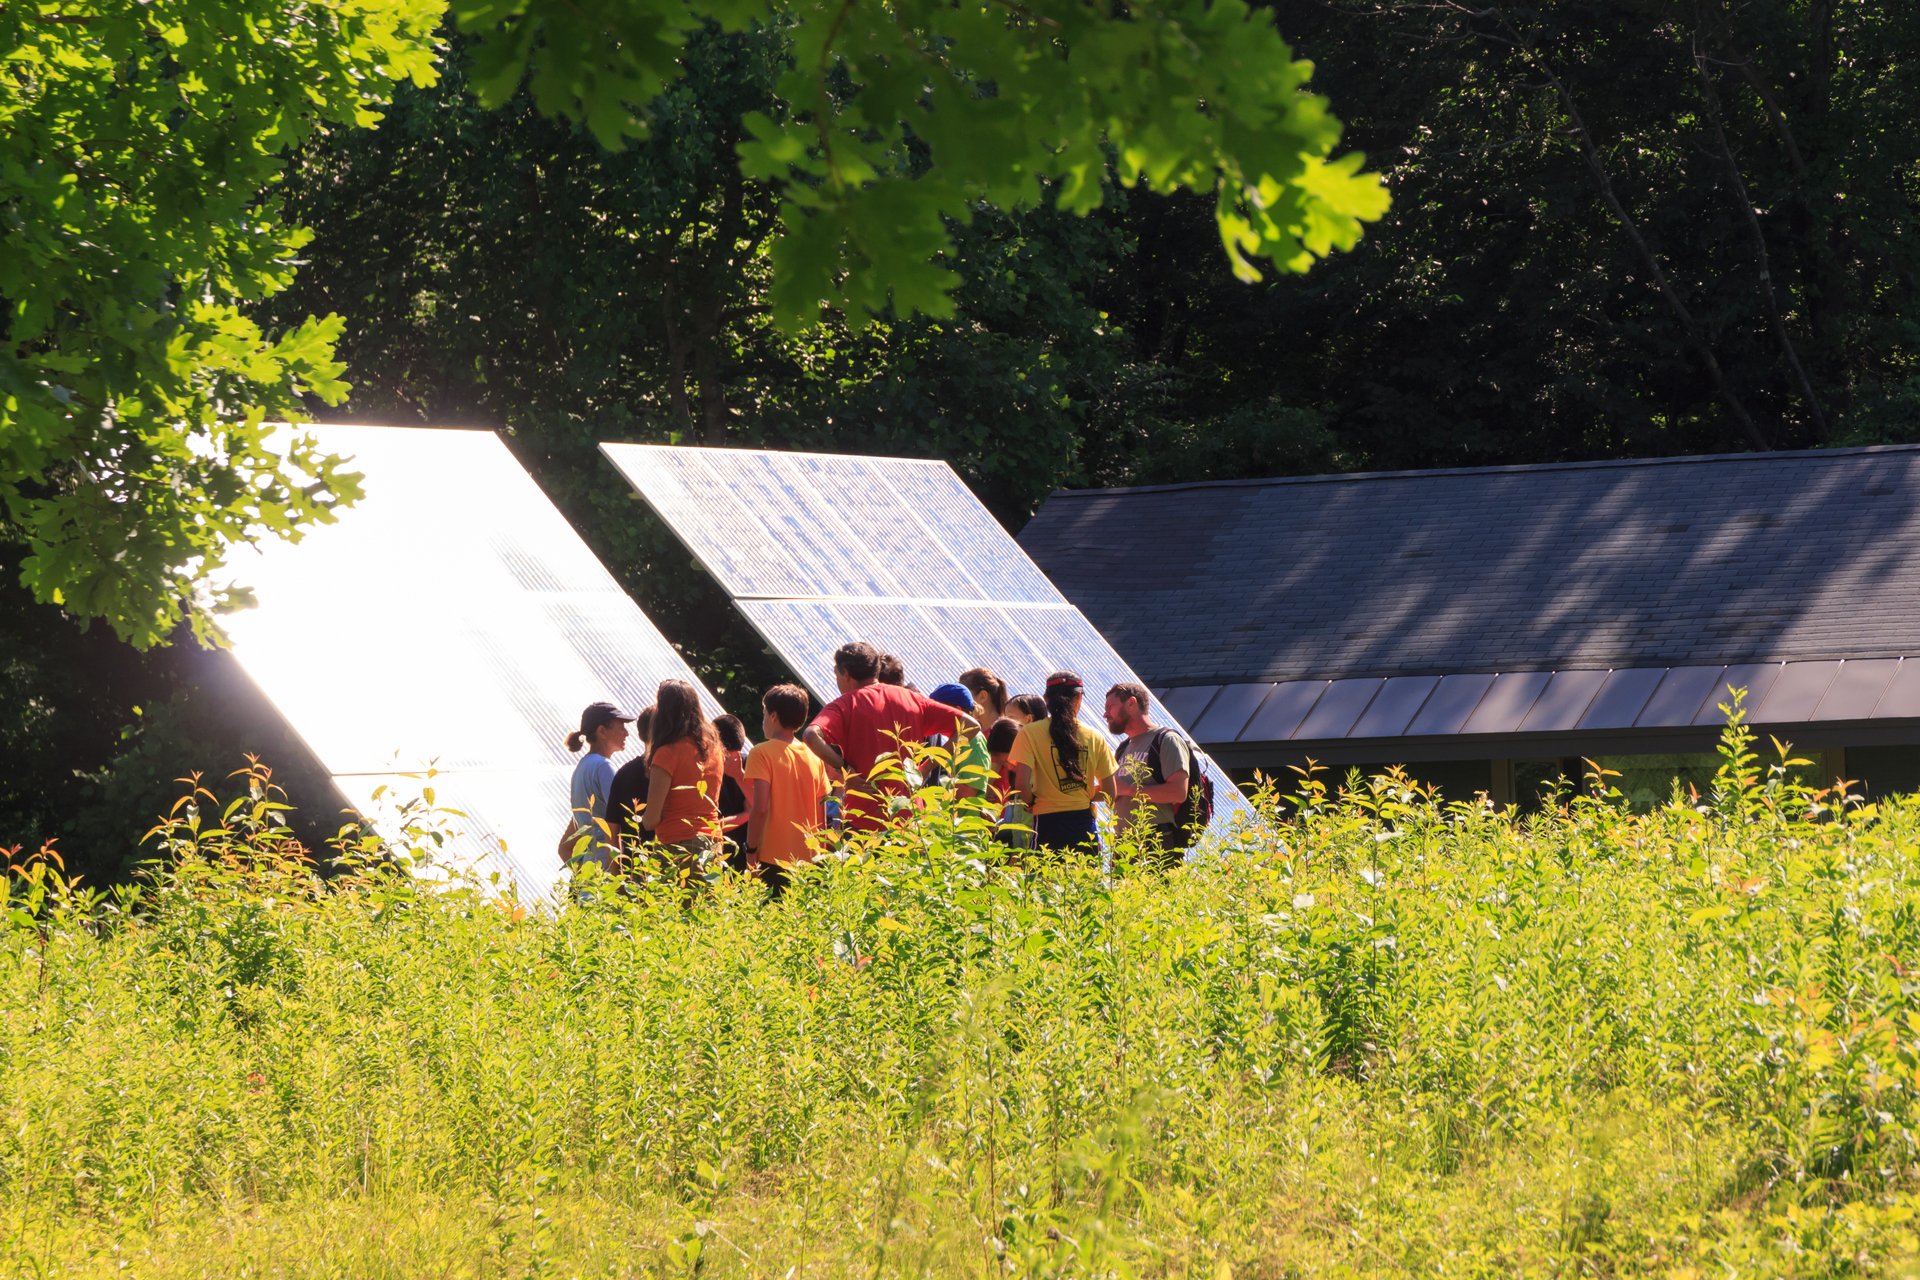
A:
(1769, 298)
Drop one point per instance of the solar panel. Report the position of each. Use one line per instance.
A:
(908, 553)
(1071, 643)
(818, 549)
(803, 632)
(951, 512)
(905, 632)
(992, 642)
(450, 619)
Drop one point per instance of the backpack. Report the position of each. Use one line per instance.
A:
(1196, 811)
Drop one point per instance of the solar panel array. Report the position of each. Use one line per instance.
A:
(452, 619)
(820, 549)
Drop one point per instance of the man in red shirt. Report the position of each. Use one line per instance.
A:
(870, 724)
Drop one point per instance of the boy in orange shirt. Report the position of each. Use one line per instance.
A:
(787, 810)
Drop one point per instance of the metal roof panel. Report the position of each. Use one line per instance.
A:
(1564, 700)
(1187, 703)
(1283, 711)
(1450, 704)
(1857, 688)
(1227, 715)
(1509, 698)
(1398, 702)
(1627, 565)
(1679, 697)
(1622, 698)
(1902, 698)
(1337, 710)
(1756, 678)
(1796, 694)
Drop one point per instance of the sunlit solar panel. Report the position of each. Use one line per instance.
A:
(451, 619)
(951, 512)
(818, 549)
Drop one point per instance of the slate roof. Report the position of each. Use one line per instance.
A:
(1673, 562)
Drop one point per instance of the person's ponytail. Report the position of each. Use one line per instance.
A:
(1065, 731)
(576, 740)
(981, 680)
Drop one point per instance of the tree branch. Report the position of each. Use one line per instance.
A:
(1744, 202)
(1590, 151)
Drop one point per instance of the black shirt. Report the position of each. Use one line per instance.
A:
(627, 797)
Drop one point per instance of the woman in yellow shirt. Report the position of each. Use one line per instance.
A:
(1061, 768)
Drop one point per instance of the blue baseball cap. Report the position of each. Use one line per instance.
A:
(953, 695)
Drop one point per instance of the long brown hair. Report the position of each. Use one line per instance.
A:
(981, 680)
(677, 717)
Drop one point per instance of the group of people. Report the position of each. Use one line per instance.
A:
(696, 794)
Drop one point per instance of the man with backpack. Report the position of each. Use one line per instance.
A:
(1159, 781)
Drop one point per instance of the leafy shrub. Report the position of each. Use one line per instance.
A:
(1394, 1032)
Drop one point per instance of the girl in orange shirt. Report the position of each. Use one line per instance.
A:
(683, 780)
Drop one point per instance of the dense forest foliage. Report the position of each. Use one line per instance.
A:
(1638, 228)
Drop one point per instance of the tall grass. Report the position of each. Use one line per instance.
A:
(1395, 1035)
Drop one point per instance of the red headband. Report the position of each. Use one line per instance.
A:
(1064, 682)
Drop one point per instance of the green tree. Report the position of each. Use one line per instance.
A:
(895, 121)
(142, 141)
(138, 144)
(1618, 229)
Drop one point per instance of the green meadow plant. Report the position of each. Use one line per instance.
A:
(1392, 1032)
